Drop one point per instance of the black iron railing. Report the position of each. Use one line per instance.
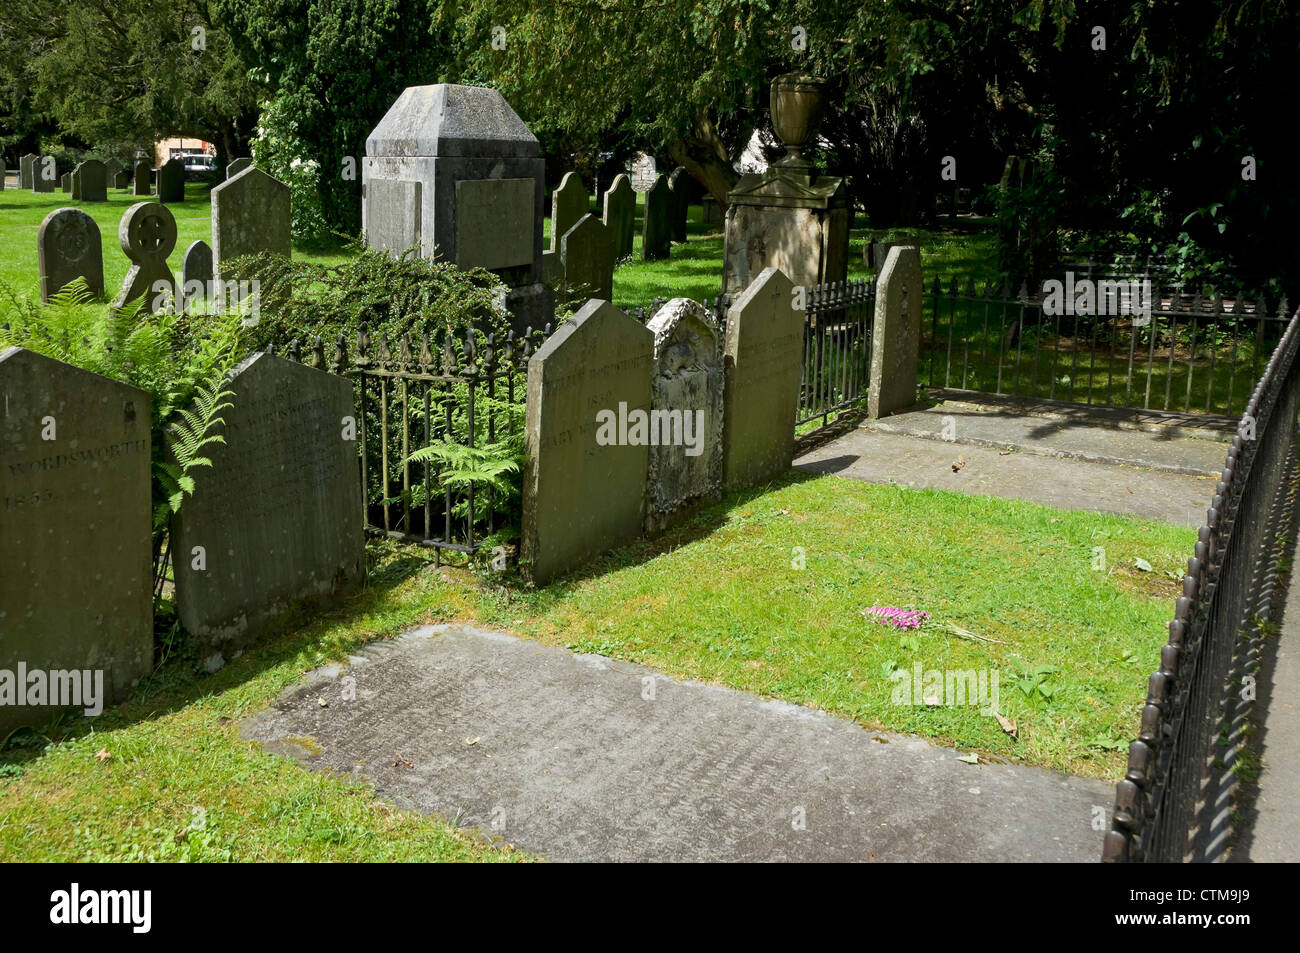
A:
(838, 324)
(1161, 810)
(1194, 352)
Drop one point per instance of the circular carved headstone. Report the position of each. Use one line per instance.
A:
(68, 247)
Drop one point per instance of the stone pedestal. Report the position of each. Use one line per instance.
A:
(454, 171)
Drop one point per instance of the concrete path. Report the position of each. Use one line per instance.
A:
(567, 756)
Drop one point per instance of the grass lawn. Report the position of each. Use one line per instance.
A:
(1011, 571)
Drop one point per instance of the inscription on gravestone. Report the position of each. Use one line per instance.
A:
(764, 347)
(68, 247)
(582, 498)
(277, 516)
(76, 591)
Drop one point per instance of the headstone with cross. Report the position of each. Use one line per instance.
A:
(147, 234)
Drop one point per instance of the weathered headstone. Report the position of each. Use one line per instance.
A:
(875, 253)
(142, 179)
(45, 174)
(709, 212)
(250, 214)
(620, 214)
(569, 203)
(395, 208)
(112, 168)
(68, 247)
(196, 273)
(171, 181)
(677, 185)
(584, 483)
(76, 592)
(764, 348)
(26, 171)
(656, 221)
(276, 519)
(4, 174)
(643, 172)
(90, 182)
(685, 462)
(65, 183)
(237, 166)
(121, 179)
(587, 259)
(896, 333)
(147, 235)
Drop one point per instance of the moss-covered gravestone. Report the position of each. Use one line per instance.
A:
(587, 259)
(76, 590)
(250, 214)
(68, 247)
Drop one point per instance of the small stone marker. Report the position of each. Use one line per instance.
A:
(587, 258)
(68, 247)
(45, 174)
(147, 234)
(583, 497)
(76, 592)
(141, 179)
(26, 172)
(250, 214)
(90, 181)
(237, 166)
(112, 168)
(656, 222)
(171, 181)
(620, 214)
(569, 203)
(65, 183)
(764, 348)
(196, 273)
(896, 336)
(277, 517)
(677, 185)
(685, 462)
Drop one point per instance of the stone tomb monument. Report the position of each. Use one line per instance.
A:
(620, 214)
(569, 203)
(583, 496)
(171, 181)
(147, 235)
(896, 336)
(142, 179)
(250, 213)
(764, 348)
(656, 222)
(68, 247)
(685, 462)
(789, 217)
(480, 179)
(76, 591)
(587, 259)
(196, 273)
(277, 517)
(90, 182)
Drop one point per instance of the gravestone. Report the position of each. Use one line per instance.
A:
(568, 204)
(620, 215)
(121, 180)
(26, 172)
(237, 166)
(68, 246)
(643, 172)
(112, 169)
(4, 173)
(874, 253)
(587, 259)
(677, 185)
(250, 214)
(147, 234)
(141, 179)
(684, 467)
(196, 273)
(656, 221)
(76, 591)
(90, 182)
(764, 349)
(481, 195)
(583, 496)
(65, 183)
(45, 175)
(278, 514)
(709, 213)
(171, 181)
(896, 335)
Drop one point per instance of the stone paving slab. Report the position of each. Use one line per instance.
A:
(570, 759)
(1177, 498)
(1094, 437)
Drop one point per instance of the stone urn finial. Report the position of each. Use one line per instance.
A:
(796, 113)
